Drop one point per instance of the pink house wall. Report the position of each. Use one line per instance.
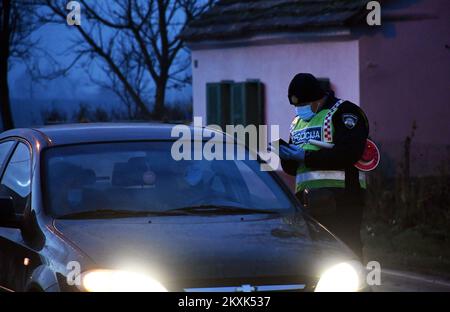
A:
(405, 77)
(275, 65)
(399, 75)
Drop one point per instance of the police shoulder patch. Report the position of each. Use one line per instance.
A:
(349, 120)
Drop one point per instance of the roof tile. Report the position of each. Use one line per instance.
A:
(245, 18)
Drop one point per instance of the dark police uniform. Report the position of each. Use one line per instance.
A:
(328, 176)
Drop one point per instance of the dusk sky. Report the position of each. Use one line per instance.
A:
(66, 92)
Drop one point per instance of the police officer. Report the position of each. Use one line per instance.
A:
(327, 137)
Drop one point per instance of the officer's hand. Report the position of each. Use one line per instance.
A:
(292, 152)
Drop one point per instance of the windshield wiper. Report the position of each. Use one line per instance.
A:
(189, 210)
(221, 209)
(111, 213)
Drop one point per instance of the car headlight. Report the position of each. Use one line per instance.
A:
(120, 281)
(343, 277)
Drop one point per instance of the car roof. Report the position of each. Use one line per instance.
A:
(97, 132)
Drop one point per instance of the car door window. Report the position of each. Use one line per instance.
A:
(5, 147)
(16, 181)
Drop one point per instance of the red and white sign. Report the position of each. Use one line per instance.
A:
(370, 158)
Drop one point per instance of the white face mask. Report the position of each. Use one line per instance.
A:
(305, 112)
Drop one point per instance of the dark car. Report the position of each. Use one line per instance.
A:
(107, 208)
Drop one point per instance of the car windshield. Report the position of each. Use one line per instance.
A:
(143, 177)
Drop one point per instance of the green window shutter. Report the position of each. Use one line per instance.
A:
(254, 103)
(218, 103)
(213, 109)
(247, 103)
(225, 99)
(237, 109)
(229, 103)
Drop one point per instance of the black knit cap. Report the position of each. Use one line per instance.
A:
(306, 88)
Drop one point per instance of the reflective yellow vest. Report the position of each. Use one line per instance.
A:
(319, 128)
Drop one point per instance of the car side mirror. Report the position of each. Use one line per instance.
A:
(8, 216)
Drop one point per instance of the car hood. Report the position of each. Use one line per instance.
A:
(188, 248)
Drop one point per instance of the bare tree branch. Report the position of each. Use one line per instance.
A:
(17, 22)
(138, 42)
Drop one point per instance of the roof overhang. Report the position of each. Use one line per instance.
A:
(329, 34)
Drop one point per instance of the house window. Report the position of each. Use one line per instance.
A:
(235, 103)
